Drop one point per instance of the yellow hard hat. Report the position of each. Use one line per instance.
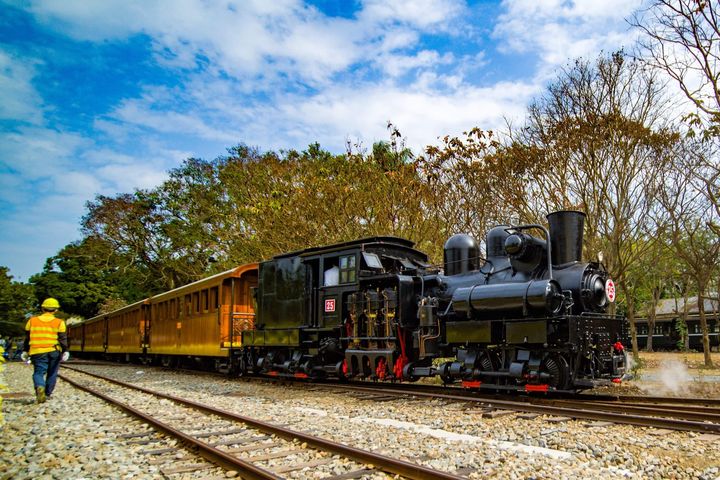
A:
(50, 303)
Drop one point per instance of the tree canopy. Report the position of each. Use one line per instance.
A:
(16, 300)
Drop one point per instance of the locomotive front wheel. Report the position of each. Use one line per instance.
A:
(557, 367)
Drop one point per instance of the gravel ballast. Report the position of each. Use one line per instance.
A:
(71, 436)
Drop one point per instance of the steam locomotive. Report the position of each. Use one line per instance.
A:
(531, 316)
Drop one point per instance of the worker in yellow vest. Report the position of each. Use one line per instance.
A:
(46, 345)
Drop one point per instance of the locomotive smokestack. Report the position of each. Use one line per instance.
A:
(566, 236)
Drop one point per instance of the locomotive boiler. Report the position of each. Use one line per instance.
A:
(530, 316)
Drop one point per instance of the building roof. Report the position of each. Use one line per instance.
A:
(673, 307)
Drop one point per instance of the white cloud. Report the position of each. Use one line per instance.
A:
(20, 101)
(126, 178)
(395, 65)
(48, 177)
(423, 14)
(270, 41)
(141, 113)
(559, 30)
(37, 152)
(362, 113)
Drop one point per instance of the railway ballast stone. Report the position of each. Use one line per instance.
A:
(613, 451)
(72, 435)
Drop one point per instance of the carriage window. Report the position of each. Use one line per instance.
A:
(347, 269)
(253, 298)
(213, 299)
(196, 302)
(204, 300)
(331, 277)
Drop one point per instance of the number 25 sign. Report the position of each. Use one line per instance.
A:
(330, 305)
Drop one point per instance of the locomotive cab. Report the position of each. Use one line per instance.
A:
(334, 310)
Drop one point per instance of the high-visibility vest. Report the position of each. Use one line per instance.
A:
(44, 333)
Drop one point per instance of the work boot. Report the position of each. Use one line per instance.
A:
(40, 394)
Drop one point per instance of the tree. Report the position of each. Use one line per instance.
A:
(82, 276)
(251, 205)
(16, 301)
(192, 208)
(689, 213)
(653, 277)
(600, 144)
(682, 39)
(137, 228)
(472, 187)
(286, 201)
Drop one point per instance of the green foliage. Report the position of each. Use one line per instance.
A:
(682, 330)
(81, 276)
(636, 366)
(249, 205)
(16, 301)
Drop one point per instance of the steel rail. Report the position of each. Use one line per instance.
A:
(656, 399)
(414, 387)
(380, 462)
(660, 410)
(530, 407)
(678, 407)
(693, 408)
(217, 456)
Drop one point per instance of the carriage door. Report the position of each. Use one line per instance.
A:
(145, 327)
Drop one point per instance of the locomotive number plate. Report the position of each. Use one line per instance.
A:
(330, 305)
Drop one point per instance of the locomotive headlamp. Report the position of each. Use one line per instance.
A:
(594, 291)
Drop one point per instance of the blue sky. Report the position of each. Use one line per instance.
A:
(103, 97)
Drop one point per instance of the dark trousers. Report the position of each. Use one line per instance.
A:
(46, 370)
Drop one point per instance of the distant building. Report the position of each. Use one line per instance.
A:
(668, 312)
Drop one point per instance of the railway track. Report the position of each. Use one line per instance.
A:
(415, 387)
(687, 414)
(229, 436)
(671, 416)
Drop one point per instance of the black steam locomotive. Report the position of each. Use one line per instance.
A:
(530, 317)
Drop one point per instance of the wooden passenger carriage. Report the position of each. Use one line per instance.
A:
(204, 319)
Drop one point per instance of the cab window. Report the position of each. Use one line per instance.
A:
(347, 269)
